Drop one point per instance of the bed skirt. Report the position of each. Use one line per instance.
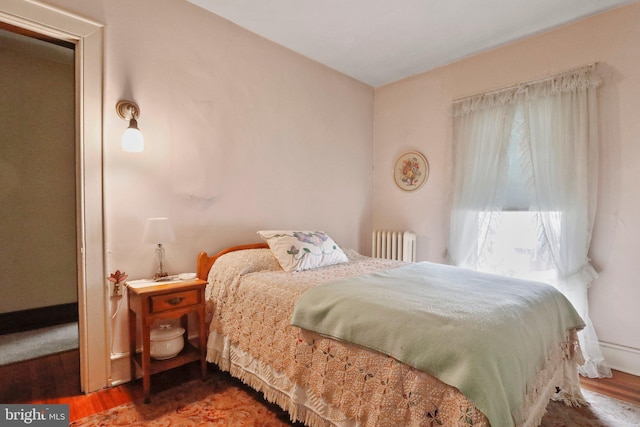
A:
(304, 406)
(301, 404)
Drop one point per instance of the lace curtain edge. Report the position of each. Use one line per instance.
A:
(577, 79)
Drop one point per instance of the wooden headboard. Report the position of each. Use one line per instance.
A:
(205, 261)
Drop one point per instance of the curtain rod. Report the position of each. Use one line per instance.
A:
(591, 66)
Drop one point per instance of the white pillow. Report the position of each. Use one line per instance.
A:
(303, 250)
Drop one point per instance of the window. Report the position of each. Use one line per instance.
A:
(525, 169)
(508, 238)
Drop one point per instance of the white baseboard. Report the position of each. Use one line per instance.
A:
(621, 358)
(120, 369)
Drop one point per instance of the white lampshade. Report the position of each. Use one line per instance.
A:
(132, 139)
(158, 230)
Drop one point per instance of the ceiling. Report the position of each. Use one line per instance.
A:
(382, 41)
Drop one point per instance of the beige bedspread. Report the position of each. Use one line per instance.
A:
(253, 309)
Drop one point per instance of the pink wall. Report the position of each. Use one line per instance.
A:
(414, 114)
(240, 135)
(243, 134)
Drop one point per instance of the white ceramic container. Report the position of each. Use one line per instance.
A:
(166, 342)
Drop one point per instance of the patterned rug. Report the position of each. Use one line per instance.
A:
(224, 401)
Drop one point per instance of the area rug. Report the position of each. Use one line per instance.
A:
(38, 342)
(603, 411)
(224, 401)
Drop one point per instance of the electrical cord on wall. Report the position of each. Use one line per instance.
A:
(113, 322)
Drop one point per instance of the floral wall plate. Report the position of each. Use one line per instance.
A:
(411, 171)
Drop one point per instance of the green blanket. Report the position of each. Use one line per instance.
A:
(484, 334)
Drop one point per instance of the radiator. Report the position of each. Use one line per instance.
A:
(399, 245)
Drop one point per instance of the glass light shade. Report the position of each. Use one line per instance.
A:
(132, 140)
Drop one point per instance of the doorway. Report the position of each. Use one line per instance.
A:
(87, 36)
(37, 195)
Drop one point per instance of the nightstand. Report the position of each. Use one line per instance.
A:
(151, 301)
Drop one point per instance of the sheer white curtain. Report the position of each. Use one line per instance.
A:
(482, 142)
(558, 149)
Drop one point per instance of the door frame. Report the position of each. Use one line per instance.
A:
(95, 366)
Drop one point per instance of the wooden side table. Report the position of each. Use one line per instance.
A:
(165, 301)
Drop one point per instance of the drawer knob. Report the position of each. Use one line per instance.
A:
(175, 301)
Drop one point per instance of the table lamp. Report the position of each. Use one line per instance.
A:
(158, 231)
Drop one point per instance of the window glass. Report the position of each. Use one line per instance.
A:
(512, 246)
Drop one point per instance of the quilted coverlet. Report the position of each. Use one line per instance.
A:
(252, 306)
(493, 332)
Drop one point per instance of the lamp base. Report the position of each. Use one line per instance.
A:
(160, 255)
(160, 275)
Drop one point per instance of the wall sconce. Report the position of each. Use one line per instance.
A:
(132, 139)
(159, 231)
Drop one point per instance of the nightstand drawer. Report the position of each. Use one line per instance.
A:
(174, 300)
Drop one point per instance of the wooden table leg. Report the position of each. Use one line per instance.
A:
(202, 342)
(132, 343)
(146, 361)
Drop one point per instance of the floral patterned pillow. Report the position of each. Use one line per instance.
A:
(303, 250)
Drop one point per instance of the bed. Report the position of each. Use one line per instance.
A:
(322, 380)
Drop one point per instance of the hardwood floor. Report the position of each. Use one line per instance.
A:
(56, 379)
(621, 386)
